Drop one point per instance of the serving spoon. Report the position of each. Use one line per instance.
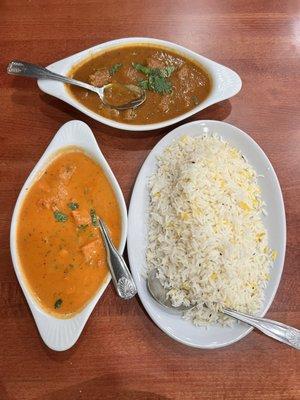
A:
(121, 276)
(274, 329)
(136, 94)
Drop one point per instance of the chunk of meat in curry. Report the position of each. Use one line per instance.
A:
(100, 77)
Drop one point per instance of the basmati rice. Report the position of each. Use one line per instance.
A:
(205, 234)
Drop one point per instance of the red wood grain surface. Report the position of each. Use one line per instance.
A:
(121, 353)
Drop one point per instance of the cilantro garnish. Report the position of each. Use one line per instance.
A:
(60, 216)
(166, 72)
(156, 78)
(58, 303)
(94, 217)
(73, 206)
(115, 68)
(142, 68)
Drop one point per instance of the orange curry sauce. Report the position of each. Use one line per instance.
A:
(61, 252)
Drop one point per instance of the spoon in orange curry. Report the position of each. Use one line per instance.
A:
(121, 276)
(114, 95)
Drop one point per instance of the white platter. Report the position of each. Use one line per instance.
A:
(173, 325)
(61, 334)
(225, 82)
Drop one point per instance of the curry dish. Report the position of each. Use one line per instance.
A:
(173, 84)
(60, 248)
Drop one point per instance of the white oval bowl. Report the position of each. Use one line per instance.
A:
(225, 82)
(173, 325)
(61, 334)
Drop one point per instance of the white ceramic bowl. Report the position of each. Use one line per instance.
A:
(173, 325)
(61, 334)
(225, 82)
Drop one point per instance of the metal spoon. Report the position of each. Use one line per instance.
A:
(274, 329)
(22, 68)
(121, 276)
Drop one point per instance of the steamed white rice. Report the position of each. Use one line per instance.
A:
(206, 236)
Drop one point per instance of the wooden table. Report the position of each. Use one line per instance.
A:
(121, 353)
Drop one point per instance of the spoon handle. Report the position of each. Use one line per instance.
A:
(274, 329)
(121, 276)
(22, 68)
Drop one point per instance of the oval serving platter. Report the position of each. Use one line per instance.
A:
(225, 82)
(173, 325)
(61, 334)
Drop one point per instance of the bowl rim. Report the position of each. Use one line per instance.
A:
(61, 141)
(218, 73)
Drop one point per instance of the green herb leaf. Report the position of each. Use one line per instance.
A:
(58, 303)
(82, 227)
(73, 206)
(159, 84)
(142, 68)
(60, 217)
(156, 78)
(144, 84)
(94, 217)
(166, 72)
(115, 68)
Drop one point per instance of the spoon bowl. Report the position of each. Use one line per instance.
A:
(160, 294)
(121, 97)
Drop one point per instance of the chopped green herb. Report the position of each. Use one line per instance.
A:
(94, 217)
(166, 72)
(82, 227)
(73, 206)
(195, 100)
(115, 68)
(159, 84)
(142, 68)
(60, 216)
(156, 78)
(58, 303)
(144, 84)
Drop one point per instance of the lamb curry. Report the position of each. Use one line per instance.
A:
(173, 83)
(60, 248)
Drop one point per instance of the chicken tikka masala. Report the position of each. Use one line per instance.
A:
(61, 251)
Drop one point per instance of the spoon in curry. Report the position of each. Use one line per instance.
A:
(114, 95)
(121, 276)
(274, 329)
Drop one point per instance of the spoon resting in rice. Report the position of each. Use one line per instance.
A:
(274, 329)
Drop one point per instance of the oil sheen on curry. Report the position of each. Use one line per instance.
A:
(173, 84)
(60, 248)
